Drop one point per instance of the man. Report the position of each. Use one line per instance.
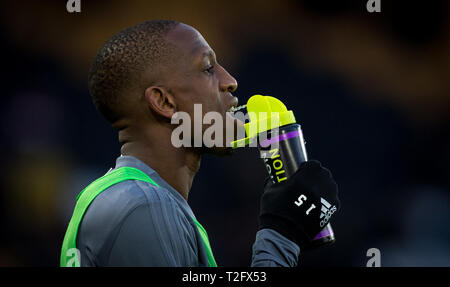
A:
(138, 214)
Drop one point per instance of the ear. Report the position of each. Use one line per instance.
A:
(160, 101)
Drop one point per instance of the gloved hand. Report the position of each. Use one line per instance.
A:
(300, 207)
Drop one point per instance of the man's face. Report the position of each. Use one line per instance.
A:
(197, 78)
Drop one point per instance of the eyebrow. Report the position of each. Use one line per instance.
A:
(209, 54)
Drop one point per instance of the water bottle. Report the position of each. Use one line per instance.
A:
(273, 129)
(283, 152)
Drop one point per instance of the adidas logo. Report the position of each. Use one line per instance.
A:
(326, 212)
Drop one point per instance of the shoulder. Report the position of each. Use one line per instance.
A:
(137, 211)
(109, 209)
(121, 198)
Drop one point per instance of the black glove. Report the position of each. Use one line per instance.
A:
(300, 207)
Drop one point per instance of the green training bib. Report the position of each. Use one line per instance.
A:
(70, 256)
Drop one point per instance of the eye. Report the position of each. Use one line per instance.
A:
(209, 70)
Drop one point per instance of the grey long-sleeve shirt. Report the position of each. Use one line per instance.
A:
(135, 223)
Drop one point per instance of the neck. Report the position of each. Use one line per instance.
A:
(177, 166)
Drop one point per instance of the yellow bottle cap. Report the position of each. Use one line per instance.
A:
(265, 113)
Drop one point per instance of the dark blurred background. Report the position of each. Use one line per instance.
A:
(371, 91)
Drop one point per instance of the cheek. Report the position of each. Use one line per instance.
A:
(198, 89)
(206, 93)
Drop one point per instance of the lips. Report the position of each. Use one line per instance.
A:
(237, 115)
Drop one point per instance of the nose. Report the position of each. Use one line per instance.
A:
(228, 83)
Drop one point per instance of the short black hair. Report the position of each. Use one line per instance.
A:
(123, 59)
